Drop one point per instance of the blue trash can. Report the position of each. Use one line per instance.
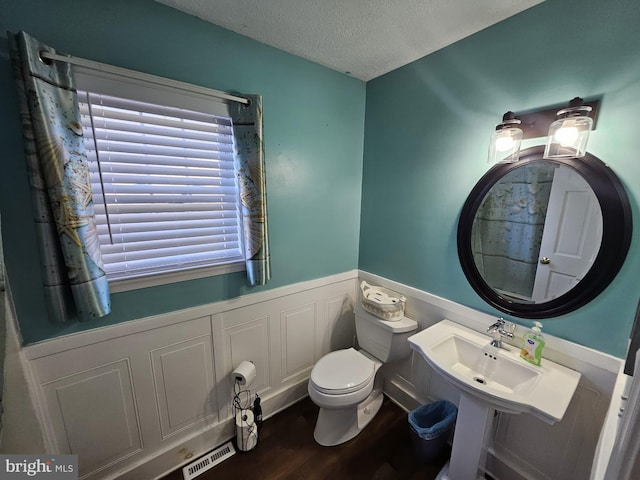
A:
(430, 428)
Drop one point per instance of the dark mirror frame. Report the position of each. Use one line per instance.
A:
(616, 235)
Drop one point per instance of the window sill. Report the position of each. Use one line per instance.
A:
(144, 281)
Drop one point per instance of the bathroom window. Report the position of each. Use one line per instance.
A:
(163, 179)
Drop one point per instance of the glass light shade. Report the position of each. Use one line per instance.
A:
(568, 136)
(505, 145)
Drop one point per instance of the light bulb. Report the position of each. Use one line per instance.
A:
(504, 143)
(567, 136)
(505, 140)
(568, 133)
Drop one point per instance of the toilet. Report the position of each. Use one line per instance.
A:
(345, 384)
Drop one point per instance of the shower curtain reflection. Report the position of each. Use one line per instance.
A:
(507, 230)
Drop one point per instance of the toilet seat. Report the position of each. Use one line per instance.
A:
(341, 372)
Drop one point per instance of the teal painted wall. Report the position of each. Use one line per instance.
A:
(427, 132)
(427, 129)
(314, 128)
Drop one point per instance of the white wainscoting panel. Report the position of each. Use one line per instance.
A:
(156, 389)
(338, 329)
(249, 341)
(524, 442)
(298, 339)
(138, 399)
(95, 405)
(523, 446)
(183, 377)
(163, 384)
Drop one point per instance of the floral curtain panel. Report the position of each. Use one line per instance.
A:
(75, 282)
(247, 131)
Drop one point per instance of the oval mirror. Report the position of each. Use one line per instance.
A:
(540, 238)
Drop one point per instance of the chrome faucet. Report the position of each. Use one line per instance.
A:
(501, 329)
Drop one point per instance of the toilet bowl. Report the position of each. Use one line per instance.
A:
(342, 385)
(341, 378)
(345, 383)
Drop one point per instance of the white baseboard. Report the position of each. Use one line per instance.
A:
(401, 396)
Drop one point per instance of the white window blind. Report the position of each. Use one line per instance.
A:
(164, 186)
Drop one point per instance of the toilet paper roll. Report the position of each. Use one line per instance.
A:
(244, 373)
(246, 430)
(244, 418)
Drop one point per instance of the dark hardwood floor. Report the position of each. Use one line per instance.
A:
(286, 450)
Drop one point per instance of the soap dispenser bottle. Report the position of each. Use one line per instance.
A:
(532, 344)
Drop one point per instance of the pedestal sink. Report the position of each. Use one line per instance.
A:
(489, 379)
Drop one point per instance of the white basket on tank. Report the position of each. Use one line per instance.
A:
(382, 302)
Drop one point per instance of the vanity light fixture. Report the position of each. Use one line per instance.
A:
(569, 134)
(567, 130)
(506, 140)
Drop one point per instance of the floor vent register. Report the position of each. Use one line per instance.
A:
(208, 461)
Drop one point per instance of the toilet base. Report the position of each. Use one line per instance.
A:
(336, 426)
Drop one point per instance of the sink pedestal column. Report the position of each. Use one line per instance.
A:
(473, 426)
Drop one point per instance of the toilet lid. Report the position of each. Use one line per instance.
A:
(342, 371)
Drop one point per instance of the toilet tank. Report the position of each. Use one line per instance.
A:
(386, 341)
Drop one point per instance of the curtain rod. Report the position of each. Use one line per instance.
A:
(103, 67)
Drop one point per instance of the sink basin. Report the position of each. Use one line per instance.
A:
(496, 376)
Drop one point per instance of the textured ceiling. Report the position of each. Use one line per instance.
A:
(364, 38)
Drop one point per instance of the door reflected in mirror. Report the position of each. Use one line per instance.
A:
(537, 232)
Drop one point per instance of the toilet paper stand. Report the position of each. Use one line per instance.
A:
(245, 422)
